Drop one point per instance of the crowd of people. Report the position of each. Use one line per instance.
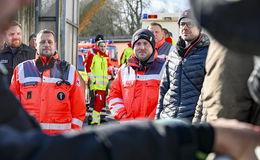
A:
(159, 85)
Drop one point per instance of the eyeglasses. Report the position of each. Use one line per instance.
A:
(189, 24)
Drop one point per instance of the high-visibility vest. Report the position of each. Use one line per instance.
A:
(126, 54)
(99, 73)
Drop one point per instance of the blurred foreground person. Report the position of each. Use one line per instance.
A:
(225, 93)
(146, 140)
(12, 113)
(217, 17)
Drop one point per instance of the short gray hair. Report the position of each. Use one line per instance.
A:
(46, 31)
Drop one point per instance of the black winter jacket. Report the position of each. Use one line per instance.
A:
(11, 60)
(133, 141)
(182, 81)
(20, 138)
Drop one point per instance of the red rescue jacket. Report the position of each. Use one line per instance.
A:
(58, 108)
(134, 93)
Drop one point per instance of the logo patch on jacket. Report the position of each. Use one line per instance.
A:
(61, 96)
(78, 82)
(29, 95)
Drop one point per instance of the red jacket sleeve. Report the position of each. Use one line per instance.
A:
(89, 63)
(115, 99)
(77, 99)
(15, 84)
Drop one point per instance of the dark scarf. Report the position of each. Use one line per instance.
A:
(43, 65)
(135, 63)
(181, 46)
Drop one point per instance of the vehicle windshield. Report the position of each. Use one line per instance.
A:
(113, 52)
(81, 57)
(80, 63)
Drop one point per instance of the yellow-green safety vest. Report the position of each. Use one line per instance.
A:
(99, 76)
(127, 53)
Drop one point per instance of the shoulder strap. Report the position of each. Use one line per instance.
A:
(63, 67)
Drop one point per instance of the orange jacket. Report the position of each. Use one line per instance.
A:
(58, 108)
(134, 93)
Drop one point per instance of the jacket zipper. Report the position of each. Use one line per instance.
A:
(179, 100)
(41, 75)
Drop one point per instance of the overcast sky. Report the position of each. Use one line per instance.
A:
(167, 6)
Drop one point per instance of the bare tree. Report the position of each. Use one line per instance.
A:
(105, 22)
(115, 18)
(90, 12)
(131, 12)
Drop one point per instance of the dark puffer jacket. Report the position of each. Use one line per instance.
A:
(182, 81)
(11, 60)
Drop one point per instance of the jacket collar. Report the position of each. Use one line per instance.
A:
(46, 60)
(142, 66)
(201, 41)
(159, 44)
(8, 49)
(104, 54)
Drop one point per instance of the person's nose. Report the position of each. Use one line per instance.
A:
(46, 43)
(185, 26)
(15, 36)
(142, 46)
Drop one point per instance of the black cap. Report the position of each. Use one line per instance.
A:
(99, 37)
(186, 14)
(143, 34)
(235, 24)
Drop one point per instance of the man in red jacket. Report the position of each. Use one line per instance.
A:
(50, 89)
(134, 92)
(163, 48)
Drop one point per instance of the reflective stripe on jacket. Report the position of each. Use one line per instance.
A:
(134, 94)
(164, 48)
(58, 108)
(98, 68)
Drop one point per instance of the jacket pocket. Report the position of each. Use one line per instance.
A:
(152, 92)
(29, 94)
(60, 118)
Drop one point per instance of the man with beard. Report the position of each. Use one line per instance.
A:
(50, 89)
(134, 92)
(185, 71)
(14, 51)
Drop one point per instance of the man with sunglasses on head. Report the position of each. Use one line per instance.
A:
(185, 69)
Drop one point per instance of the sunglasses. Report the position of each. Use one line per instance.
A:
(189, 24)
